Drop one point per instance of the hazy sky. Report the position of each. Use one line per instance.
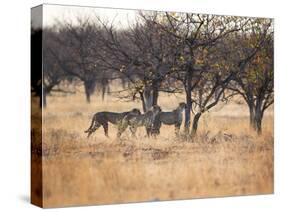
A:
(51, 13)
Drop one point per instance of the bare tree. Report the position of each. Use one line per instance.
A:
(77, 45)
(43, 82)
(195, 35)
(254, 80)
(209, 58)
(142, 55)
(53, 74)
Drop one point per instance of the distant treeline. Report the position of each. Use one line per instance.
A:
(209, 58)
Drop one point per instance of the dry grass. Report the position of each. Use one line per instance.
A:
(226, 158)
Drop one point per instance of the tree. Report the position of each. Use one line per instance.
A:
(140, 54)
(195, 36)
(43, 81)
(76, 54)
(53, 74)
(211, 88)
(255, 81)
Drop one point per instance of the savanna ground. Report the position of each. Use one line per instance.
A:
(225, 159)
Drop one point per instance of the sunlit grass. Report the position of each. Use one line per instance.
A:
(226, 158)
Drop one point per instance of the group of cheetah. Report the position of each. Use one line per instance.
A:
(151, 120)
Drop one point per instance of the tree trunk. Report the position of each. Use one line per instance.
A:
(89, 90)
(148, 98)
(142, 101)
(258, 121)
(88, 97)
(252, 116)
(187, 114)
(188, 107)
(195, 124)
(256, 116)
(155, 95)
(103, 92)
(258, 126)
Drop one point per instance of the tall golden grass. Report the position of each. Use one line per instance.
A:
(225, 159)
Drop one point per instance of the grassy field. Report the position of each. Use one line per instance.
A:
(225, 159)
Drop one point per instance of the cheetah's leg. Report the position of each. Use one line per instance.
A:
(96, 126)
(122, 127)
(148, 131)
(91, 126)
(105, 127)
(177, 129)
